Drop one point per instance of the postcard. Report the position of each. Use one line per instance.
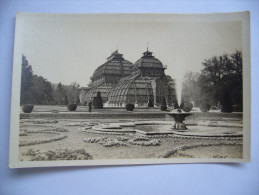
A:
(127, 89)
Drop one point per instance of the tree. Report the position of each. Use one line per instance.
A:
(66, 101)
(72, 92)
(163, 105)
(226, 102)
(219, 74)
(60, 94)
(150, 103)
(191, 90)
(34, 89)
(78, 100)
(98, 101)
(26, 82)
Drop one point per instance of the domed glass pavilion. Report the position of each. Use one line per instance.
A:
(106, 76)
(147, 82)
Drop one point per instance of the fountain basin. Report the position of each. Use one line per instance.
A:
(165, 127)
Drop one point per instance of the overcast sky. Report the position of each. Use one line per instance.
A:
(70, 49)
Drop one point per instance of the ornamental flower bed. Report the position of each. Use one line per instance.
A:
(45, 122)
(122, 138)
(168, 153)
(80, 124)
(59, 154)
(104, 141)
(144, 141)
(53, 129)
(34, 142)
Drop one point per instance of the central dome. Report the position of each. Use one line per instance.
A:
(148, 61)
(116, 65)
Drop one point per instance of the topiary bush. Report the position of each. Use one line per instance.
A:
(27, 108)
(150, 103)
(205, 107)
(71, 107)
(163, 106)
(187, 107)
(130, 107)
(98, 103)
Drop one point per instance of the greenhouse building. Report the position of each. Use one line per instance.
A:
(147, 82)
(120, 82)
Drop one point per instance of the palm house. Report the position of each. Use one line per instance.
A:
(147, 82)
(105, 77)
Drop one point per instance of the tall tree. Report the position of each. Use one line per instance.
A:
(220, 74)
(26, 82)
(98, 103)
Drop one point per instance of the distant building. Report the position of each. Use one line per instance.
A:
(120, 82)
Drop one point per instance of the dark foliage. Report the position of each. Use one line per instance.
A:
(71, 107)
(98, 103)
(176, 106)
(226, 102)
(130, 107)
(187, 107)
(150, 103)
(27, 108)
(65, 101)
(205, 107)
(163, 105)
(34, 89)
(78, 100)
(38, 90)
(219, 74)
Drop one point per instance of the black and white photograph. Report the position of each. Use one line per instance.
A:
(119, 89)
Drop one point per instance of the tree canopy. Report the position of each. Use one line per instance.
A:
(220, 74)
(38, 90)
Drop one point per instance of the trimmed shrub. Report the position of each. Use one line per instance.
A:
(205, 107)
(187, 107)
(163, 106)
(78, 100)
(150, 103)
(98, 103)
(27, 108)
(71, 107)
(130, 107)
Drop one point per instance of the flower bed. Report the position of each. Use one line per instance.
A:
(122, 138)
(144, 141)
(168, 153)
(104, 141)
(52, 130)
(34, 142)
(58, 154)
(45, 122)
(75, 124)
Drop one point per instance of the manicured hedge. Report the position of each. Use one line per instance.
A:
(27, 108)
(71, 107)
(130, 107)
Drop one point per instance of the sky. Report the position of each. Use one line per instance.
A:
(70, 48)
